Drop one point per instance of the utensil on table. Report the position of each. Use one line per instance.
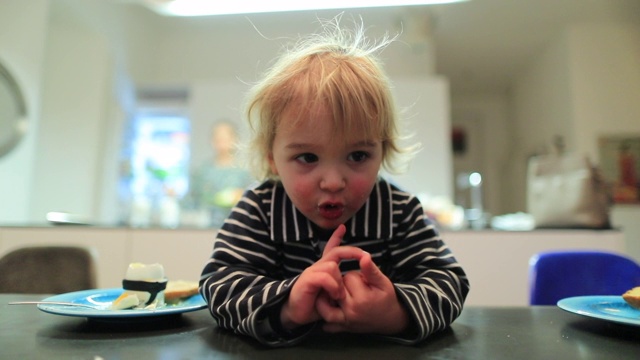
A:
(63, 303)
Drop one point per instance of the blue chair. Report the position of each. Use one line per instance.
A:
(555, 275)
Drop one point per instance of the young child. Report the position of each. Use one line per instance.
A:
(324, 240)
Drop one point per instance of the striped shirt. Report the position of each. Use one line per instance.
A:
(266, 243)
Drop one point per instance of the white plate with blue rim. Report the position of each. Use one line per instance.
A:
(610, 308)
(100, 301)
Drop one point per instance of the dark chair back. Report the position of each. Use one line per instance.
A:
(556, 275)
(47, 270)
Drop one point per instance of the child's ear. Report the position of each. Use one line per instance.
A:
(272, 164)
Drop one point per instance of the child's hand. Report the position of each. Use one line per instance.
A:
(323, 277)
(370, 304)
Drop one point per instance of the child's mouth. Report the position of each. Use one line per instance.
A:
(331, 211)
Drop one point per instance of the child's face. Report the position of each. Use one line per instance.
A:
(327, 178)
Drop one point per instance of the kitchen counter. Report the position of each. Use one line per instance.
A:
(496, 279)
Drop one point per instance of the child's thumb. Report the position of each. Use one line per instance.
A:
(370, 272)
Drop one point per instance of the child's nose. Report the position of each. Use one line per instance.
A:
(332, 180)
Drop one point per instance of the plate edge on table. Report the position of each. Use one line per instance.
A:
(198, 304)
(577, 305)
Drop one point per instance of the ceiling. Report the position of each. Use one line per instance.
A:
(481, 44)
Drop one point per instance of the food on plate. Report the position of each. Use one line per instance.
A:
(144, 287)
(632, 297)
(180, 289)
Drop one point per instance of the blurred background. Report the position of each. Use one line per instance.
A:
(120, 100)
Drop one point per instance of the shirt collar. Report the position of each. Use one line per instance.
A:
(372, 221)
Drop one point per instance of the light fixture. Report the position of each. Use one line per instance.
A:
(222, 7)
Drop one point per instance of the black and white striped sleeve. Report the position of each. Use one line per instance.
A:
(241, 281)
(428, 279)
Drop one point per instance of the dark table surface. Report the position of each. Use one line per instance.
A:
(544, 332)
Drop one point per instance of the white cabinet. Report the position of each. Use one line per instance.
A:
(626, 217)
(183, 253)
(496, 262)
(110, 245)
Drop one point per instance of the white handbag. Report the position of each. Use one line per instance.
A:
(567, 191)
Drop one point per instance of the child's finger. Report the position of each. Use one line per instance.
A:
(336, 239)
(324, 276)
(370, 272)
(343, 253)
(336, 253)
(328, 309)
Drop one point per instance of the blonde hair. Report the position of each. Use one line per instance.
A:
(338, 69)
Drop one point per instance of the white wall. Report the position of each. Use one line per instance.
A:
(605, 75)
(76, 84)
(584, 85)
(606, 78)
(542, 109)
(22, 41)
(425, 106)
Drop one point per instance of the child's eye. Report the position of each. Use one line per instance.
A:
(307, 158)
(358, 156)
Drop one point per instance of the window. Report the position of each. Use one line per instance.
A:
(156, 160)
